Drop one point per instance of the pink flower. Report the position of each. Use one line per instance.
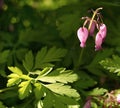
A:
(100, 37)
(118, 98)
(87, 104)
(98, 41)
(103, 31)
(82, 34)
(92, 29)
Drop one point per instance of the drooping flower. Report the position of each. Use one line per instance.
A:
(92, 29)
(103, 31)
(82, 34)
(87, 104)
(98, 41)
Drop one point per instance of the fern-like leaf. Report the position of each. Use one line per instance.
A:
(112, 64)
(44, 57)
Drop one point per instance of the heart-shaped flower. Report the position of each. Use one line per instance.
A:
(82, 34)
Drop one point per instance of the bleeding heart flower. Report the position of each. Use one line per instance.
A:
(98, 41)
(87, 104)
(103, 31)
(92, 29)
(82, 34)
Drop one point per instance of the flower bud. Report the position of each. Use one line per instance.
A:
(82, 34)
(92, 29)
(103, 31)
(98, 41)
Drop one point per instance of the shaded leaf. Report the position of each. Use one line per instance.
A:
(3, 56)
(44, 57)
(29, 61)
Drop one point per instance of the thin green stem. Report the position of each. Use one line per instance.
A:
(94, 14)
(80, 57)
(79, 60)
(6, 89)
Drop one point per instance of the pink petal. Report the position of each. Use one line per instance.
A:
(82, 34)
(98, 41)
(103, 30)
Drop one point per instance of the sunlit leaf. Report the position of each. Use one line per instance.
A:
(14, 79)
(25, 89)
(63, 90)
(112, 64)
(15, 70)
(59, 75)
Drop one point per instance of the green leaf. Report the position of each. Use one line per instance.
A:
(63, 90)
(3, 56)
(53, 100)
(44, 57)
(15, 70)
(59, 75)
(14, 79)
(113, 65)
(85, 81)
(97, 91)
(29, 61)
(39, 91)
(68, 24)
(25, 89)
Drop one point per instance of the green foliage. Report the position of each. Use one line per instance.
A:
(112, 64)
(97, 91)
(44, 57)
(46, 82)
(41, 65)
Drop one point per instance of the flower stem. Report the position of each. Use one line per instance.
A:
(80, 57)
(94, 14)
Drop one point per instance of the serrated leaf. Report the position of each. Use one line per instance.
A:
(59, 75)
(44, 57)
(97, 91)
(113, 65)
(25, 89)
(53, 100)
(14, 79)
(63, 90)
(29, 61)
(4, 56)
(15, 70)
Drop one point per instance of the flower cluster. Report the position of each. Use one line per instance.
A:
(108, 100)
(93, 23)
